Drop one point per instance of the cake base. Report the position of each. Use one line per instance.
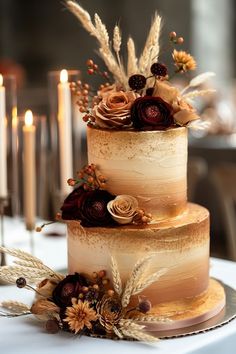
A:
(187, 312)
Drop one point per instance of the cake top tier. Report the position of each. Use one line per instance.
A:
(149, 165)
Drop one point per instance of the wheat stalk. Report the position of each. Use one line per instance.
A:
(131, 329)
(139, 268)
(116, 39)
(151, 48)
(132, 67)
(117, 332)
(140, 286)
(15, 306)
(99, 31)
(117, 284)
(19, 254)
(197, 93)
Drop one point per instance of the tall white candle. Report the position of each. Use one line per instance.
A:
(29, 171)
(3, 141)
(65, 133)
(15, 185)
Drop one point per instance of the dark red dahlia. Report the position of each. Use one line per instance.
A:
(68, 288)
(151, 112)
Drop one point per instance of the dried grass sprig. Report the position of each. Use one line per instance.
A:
(132, 67)
(197, 93)
(99, 31)
(130, 329)
(139, 268)
(151, 48)
(15, 306)
(116, 279)
(26, 266)
(117, 39)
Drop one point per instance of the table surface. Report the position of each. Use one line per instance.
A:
(27, 335)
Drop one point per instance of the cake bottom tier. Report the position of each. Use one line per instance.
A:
(180, 246)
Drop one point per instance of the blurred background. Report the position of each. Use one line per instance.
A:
(37, 37)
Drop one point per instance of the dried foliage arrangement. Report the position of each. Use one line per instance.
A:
(141, 95)
(81, 304)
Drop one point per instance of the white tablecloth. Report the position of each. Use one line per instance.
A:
(26, 335)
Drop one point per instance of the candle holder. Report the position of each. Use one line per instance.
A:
(78, 136)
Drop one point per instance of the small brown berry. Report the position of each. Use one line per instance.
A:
(78, 93)
(172, 35)
(102, 273)
(58, 216)
(82, 109)
(95, 66)
(105, 281)
(96, 287)
(180, 40)
(93, 166)
(85, 118)
(71, 182)
(52, 326)
(144, 306)
(144, 219)
(85, 289)
(85, 92)
(90, 179)
(110, 292)
(95, 275)
(38, 229)
(79, 82)
(21, 282)
(81, 296)
(89, 62)
(86, 86)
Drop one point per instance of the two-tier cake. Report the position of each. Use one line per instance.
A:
(131, 204)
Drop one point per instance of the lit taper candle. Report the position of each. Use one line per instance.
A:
(3, 141)
(29, 171)
(65, 132)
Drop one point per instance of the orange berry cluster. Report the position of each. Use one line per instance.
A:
(89, 177)
(82, 90)
(174, 39)
(142, 217)
(94, 69)
(99, 285)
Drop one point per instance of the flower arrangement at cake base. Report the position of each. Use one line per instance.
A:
(95, 305)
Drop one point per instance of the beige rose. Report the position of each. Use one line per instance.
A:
(114, 110)
(164, 90)
(184, 112)
(123, 208)
(106, 90)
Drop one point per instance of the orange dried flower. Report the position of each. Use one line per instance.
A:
(80, 315)
(183, 61)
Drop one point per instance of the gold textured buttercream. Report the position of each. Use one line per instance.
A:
(149, 165)
(181, 245)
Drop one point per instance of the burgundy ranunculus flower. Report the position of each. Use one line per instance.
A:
(70, 209)
(90, 207)
(151, 112)
(94, 208)
(68, 288)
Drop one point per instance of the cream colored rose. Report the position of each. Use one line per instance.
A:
(164, 90)
(123, 208)
(114, 110)
(107, 90)
(184, 112)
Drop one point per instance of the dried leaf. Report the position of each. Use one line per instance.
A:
(200, 79)
(197, 93)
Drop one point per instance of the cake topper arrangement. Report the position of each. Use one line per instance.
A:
(140, 94)
(84, 304)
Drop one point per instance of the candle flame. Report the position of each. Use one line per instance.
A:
(1, 79)
(64, 76)
(28, 118)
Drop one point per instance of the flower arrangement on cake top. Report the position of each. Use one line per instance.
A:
(139, 96)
